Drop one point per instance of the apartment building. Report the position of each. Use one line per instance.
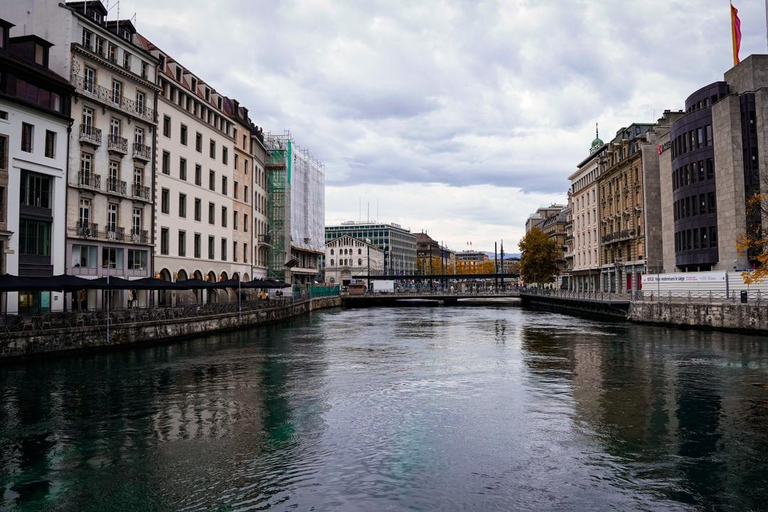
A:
(34, 134)
(109, 211)
(200, 225)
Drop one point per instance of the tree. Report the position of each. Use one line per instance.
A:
(753, 242)
(538, 263)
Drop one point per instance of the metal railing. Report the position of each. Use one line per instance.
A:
(87, 229)
(114, 233)
(140, 191)
(618, 236)
(90, 134)
(116, 186)
(108, 96)
(141, 151)
(89, 180)
(755, 297)
(139, 236)
(128, 316)
(587, 296)
(117, 143)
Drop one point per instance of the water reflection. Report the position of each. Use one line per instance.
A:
(436, 408)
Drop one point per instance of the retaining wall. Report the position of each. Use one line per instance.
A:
(733, 317)
(50, 341)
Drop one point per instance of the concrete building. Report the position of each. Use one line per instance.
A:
(622, 224)
(111, 155)
(535, 219)
(713, 161)
(585, 224)
(433, 257)
(554, 227)
(398, 243)
(473, 262)
(346, 257)
(34, 135)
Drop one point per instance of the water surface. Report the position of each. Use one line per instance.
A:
(492, 408)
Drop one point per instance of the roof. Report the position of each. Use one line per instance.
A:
(352, 238)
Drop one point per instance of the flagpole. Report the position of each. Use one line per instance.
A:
(735, 33)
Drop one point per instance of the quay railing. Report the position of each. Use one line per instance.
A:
(125, 316)
(754, 297)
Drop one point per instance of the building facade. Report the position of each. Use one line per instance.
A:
(536, 219)
(347, 257)
(433, 257)
(622, 226)
(473, 262)
(584, 275)
(34, 135)
(398, 244)
(110, 180)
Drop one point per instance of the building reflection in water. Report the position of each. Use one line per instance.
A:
(667, 405)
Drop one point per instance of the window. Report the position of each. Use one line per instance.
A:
(236, 159)
(166, 126)
(245, 194)
(88, 39)
(115, 128)
(245, 252)
(99, 46)
(211, 180)
(144, 73)
(211, 213)
(223, 249)
(111, 219)
(198, 175)
(84, 256)
(112, 52)
(166, 163)
(138, 136)
(245, 222)
(236, 188)
(27, 136)
(126, 60)
(138, 213)
(197, 245)
(85, 212)
(137, 260)
(182, 243)
(117, 92)
(224, 155)
(50, 144)
(198, 209)
(212, 150)
(183, 206)
(35, 190)
(111, 258)
(234, 251)
(224, 185)
(161, 58)
(199, 142)
(245, 166)
(165, 201)
(712, 203)
(223, 216)
(713, 236)
(178, 74)
(141, 101)
(211, 247)
(235, 220)
(164, 241)
(89, 79)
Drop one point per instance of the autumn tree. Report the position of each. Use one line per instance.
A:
(538, 262)
(753, 242)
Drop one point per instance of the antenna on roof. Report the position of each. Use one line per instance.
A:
(133, 19)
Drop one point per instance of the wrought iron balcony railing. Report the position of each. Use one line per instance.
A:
(90, 134)
(117, 143)
(116, 186)
(87, 229)
(140, 191)
(142, 152)
(114, 233)
(89, 180)
(139, 236)
(108, 96)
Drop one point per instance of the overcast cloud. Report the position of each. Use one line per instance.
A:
(456, 117)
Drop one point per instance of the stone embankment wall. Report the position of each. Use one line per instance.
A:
(593, 308)
(736, 317)
(84, 338)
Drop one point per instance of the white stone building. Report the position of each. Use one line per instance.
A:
(198, 224)
(111, 154)
(585, 222)
(347, 257)
(34, 133)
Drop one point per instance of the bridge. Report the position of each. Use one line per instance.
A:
(429, 297)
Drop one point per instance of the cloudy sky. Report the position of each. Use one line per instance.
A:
(458, 118)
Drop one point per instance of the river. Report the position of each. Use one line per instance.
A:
(490, 408)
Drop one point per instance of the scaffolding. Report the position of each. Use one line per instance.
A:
(278, 167)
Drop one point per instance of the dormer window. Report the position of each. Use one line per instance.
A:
(219, 102)
(207, 94)
(40, 51)
(161, 57)
(126, 35)
(194, 84)
(88, 39)
(96, 17)
(178, 74)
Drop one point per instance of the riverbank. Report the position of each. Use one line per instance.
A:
(164, 325)
(732, 316)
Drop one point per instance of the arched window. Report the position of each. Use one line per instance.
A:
(331, 262)
(359, 251)
(331, 252)
(360, 261)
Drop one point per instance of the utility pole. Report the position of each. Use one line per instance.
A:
(502, 263)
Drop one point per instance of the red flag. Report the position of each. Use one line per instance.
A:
(735, 33)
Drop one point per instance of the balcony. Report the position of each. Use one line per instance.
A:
(619, 236)
(87, 229)
(106, 96)
(89, 180)
(140, 192)
(90, 135)
(139, 236)
(114, 233)
(117, 144)
(142, 152)
(115, 186)
(265, 239)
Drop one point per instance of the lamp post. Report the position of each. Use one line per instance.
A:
(368, 242)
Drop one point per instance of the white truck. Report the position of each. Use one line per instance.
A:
(383, 286)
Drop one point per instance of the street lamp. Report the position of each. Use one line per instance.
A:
(368, 241)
